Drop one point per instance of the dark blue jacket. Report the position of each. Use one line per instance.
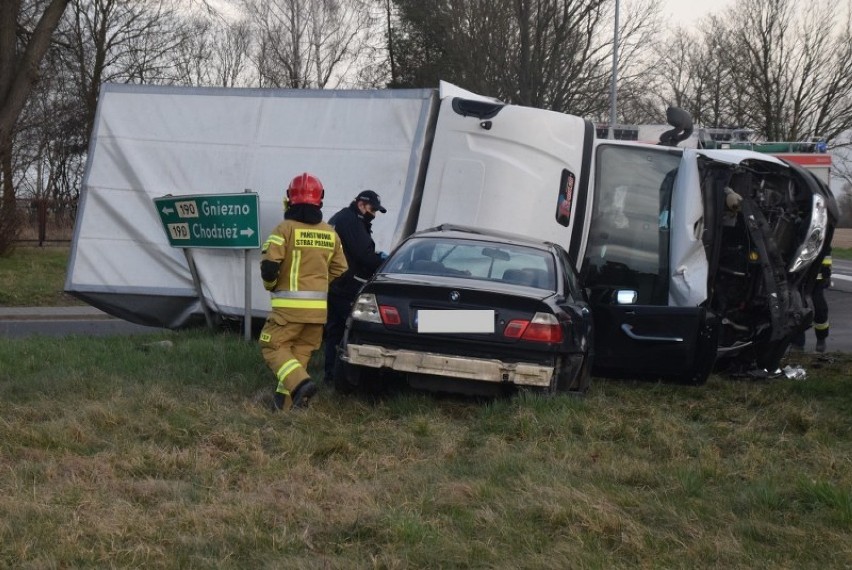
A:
(356, 236)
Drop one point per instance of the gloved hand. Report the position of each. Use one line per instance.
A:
(383, 255)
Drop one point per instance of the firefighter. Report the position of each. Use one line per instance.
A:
(298, 260)
(821, 324)
(354, 225)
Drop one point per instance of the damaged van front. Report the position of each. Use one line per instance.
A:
(767, 226)
(700, 259)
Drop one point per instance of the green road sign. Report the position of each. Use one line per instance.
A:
(211, 220)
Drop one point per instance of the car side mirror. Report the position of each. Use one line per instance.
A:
(626, 297)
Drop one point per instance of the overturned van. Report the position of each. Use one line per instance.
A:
(692, 258)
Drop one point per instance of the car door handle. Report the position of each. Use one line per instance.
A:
(628, 330)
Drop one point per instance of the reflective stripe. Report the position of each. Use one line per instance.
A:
(298, 295)
(286, 369)
(294, 270)
(276, 239)
(821, 326)
(299, 304)
(826, 260)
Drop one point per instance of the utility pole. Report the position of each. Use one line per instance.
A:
(613, 96)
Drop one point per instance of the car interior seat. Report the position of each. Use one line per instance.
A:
(427, 266)
(538, 277)
(518, 277)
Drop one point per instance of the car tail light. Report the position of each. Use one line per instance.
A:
(544, 327)
(366, 309)
(390, 316)
(515, 328)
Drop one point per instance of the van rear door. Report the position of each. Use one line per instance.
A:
(510, 168)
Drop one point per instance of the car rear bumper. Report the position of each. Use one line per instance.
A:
(481, 369)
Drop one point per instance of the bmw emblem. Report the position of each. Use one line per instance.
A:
(455, 296)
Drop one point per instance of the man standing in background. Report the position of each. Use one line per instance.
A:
(354, 225)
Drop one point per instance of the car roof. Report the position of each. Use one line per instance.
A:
(483, 234)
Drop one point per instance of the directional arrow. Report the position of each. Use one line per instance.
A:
(210, 220)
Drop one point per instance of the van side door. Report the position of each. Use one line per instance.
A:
(626, 271)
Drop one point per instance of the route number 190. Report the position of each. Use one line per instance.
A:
(187, 209)
(179, 231)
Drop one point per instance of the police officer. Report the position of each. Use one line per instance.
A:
(298, 260)
(354, 225)
(821, 324)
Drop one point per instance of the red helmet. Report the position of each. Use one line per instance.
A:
(305, 189)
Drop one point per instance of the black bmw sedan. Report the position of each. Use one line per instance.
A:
(464, 310)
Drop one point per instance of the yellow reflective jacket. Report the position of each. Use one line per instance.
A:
(310, 257)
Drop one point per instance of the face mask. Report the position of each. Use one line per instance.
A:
(369, 217)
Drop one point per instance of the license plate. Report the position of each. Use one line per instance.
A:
(458, 321)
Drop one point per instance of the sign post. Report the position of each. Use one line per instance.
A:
(225, 221)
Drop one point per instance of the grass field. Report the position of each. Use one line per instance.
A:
(35, 277)
(118, 453)
(160, 451)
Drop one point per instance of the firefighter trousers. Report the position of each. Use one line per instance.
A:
(821, 325)
(286, 347)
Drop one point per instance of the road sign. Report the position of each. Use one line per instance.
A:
(211, 220)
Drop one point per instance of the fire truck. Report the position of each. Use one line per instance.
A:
(811, 154)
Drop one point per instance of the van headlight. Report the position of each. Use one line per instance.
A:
(815, 238)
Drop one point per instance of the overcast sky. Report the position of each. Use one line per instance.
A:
(688, 12)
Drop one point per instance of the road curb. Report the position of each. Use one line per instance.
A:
(52, 314)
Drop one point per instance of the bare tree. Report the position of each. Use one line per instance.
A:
(554, 54)
(638, 33)
(216, 53)
(787, 68)
(231, 52)
(20, 59)
(123, 41)
(309, 43)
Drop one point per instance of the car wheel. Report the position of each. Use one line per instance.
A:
(351, 379)
(584, 378)
(347, 377)
(568, 381)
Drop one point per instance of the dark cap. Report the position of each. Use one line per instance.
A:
(372, 199)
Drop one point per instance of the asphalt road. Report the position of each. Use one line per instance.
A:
(839, 298)
(64, 321)
(18, 322)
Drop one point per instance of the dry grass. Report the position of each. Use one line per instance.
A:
(115, 456)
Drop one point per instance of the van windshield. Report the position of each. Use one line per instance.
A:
(628, 244)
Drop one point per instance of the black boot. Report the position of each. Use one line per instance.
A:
(303, 394)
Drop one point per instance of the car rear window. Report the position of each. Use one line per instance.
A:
(489, 261)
